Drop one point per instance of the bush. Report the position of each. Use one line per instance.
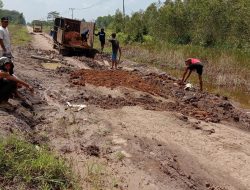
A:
(25, 166)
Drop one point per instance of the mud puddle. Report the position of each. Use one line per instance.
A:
(51, 66)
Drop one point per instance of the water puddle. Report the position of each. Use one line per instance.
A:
(51, 66)
(239, 96)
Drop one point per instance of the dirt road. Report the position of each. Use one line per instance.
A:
(139, 130)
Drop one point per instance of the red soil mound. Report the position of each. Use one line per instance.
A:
(114, 79)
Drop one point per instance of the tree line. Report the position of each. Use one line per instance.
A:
(207, 23)
(14, 16)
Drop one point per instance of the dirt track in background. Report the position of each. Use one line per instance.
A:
(139, 129)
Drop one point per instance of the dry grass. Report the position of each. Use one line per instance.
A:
(223, 70)
(226, 71)
(98, 176)
(120, 156)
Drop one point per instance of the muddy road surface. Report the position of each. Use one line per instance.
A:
(138, 131)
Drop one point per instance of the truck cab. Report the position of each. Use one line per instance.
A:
(37, 26)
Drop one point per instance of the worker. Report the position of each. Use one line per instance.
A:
(101, 35)
(8, 82)
(52, 32)
(115, 48)
(193, 64)
(85, 35)
(5, 38)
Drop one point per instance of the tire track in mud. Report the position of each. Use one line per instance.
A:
(163, 161)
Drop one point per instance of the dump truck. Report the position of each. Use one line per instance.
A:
(67, 37)
(37, 26)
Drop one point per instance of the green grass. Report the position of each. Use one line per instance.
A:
(120, 156)
(24, 166)
(95, 175)
(19, 35)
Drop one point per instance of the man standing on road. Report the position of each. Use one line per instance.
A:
(115, 49)
(101, 35)
(193, 64)
(5, 38)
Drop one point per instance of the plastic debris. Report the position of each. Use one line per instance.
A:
(188, 86)
(79, 106)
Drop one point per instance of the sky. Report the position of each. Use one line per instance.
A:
(87, 9)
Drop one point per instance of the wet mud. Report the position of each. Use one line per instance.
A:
(201, 105)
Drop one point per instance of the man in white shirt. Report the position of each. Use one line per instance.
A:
(5, 38)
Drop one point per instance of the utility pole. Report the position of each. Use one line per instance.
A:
(123, 9)
(72, 9)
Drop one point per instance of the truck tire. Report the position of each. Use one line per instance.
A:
(54, 46)
(63, 52)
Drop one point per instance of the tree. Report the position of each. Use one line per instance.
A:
(14, 16)
(104, 22)
(52, 15)
(21, 19)
(136, 27)
(118, 23)
(1, 4)
(151, 19)
(206, 23)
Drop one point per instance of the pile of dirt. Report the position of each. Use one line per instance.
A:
(103, 56)
(73, 38)
(113, 79)
(72, 35)
(203, 106)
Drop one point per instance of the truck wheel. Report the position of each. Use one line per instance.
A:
(63, 52)
(54, 46)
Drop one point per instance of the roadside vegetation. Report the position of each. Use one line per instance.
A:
(17, 28)
(19, 35)
(26, 166)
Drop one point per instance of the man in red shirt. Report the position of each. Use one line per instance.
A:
(193, 64)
